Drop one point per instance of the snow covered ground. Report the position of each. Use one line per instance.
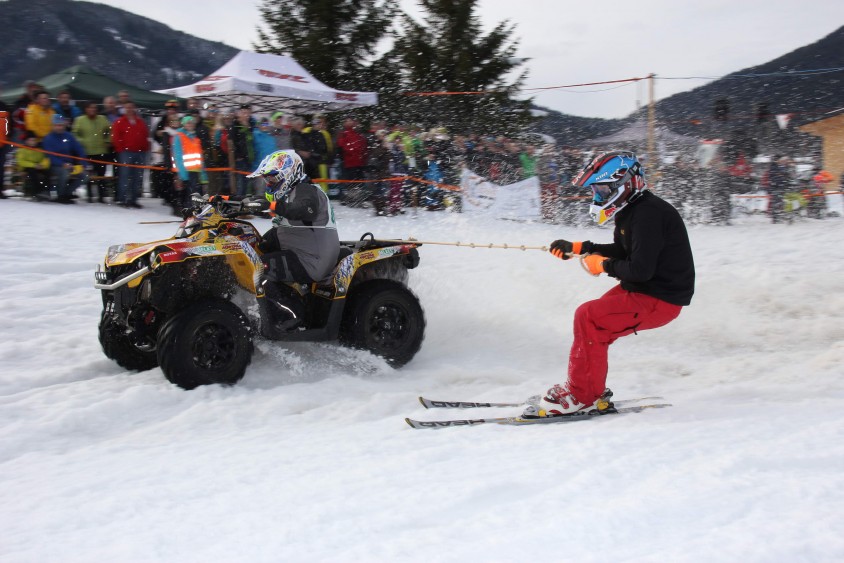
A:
(309, 458)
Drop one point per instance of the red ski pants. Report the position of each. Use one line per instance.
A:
(598, 323)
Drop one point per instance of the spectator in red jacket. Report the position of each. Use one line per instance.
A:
(130, 138)
(352, 146)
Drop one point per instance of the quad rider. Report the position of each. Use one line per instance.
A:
(650, 256)
(303, 246)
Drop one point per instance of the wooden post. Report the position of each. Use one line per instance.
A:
(232, 181)
(652, 164)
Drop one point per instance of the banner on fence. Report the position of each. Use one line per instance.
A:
(758, 202)
(512, 201)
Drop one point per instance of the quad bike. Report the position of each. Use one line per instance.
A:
(193, 304)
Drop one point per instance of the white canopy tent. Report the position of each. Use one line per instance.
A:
(269, 83)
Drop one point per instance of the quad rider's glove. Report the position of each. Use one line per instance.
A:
(278, 206)
(76, 170)
(593, 263)
(564, 249)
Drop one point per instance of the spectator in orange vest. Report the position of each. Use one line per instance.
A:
(188, 164)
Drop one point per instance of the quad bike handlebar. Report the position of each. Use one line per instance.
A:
(229, 206)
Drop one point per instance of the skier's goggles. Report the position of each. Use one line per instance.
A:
(601, 192)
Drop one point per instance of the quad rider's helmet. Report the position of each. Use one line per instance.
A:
(281, 170)
(616, 179)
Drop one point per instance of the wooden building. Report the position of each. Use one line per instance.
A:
(830, 128)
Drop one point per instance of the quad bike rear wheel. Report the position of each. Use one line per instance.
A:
(384, 317)
(118, 346)
(207, 342)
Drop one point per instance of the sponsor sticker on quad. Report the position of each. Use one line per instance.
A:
(203, 249)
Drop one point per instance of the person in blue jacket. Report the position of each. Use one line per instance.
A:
(67, 173)
(65, 107)
(265, 145)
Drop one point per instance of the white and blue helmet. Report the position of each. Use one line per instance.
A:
(281, 170)
(616, 178)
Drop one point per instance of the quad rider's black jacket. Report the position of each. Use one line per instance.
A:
(651, 253)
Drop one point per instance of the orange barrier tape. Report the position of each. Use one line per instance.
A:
(448, 187)
(83, 159)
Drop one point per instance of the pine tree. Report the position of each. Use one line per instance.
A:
(334, 39)
(448, 52)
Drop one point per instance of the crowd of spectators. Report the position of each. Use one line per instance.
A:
(193, 150)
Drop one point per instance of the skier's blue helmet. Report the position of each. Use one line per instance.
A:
(616, 179)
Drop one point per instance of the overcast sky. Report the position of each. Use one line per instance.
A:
(582, 42)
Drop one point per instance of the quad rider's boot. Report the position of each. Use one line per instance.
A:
(282, 310)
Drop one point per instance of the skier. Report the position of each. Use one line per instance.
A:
(303, 246)
(650, 256)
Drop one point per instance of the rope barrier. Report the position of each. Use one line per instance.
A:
(788, 73)
(483, 92)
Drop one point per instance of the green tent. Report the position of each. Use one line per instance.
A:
(85, 83)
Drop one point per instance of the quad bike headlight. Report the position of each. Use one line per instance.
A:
(154, 262)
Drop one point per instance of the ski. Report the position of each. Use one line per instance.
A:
(534, 400)
(429, 404)
(521, 420)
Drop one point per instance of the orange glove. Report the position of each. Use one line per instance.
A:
(593, 263)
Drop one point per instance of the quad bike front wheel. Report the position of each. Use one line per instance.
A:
(119, 346)
(384, 317)
(207, 342)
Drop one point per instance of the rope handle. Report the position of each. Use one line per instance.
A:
(585, 268)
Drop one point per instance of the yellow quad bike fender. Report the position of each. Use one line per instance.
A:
(236, 246)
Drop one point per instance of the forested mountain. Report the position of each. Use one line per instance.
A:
(749, 100)
(44, 36)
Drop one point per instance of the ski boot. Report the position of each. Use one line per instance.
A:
(559, 401)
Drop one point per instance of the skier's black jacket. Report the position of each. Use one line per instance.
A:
(651, 253)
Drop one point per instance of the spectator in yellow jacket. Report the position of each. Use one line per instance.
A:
(39, 115)
(35, 165)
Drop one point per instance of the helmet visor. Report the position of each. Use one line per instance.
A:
(601, 192)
